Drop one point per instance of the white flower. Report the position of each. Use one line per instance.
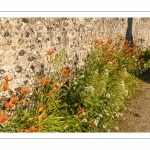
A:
(96, 122)
(84, 120)
(106, 74)
(104, 126)
(98, 118)
(105, 111)
(103, 82)
(122, 98)
(108, 95)
(100, 115)
(75, 83)
(106, 70)
(117, 115)
(107, 114)
(124, 70)
(126, 93)
(120, 114)
(82, 76)
(110, 63)
(145, 66)
(116, 128)
(96, 71)
(122, 82)
(122, 86)
(89, 89)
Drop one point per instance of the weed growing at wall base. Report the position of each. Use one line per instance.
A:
(92, 101)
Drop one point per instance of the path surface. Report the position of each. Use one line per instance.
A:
(137, 114)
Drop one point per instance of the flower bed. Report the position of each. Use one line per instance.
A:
(91, 101)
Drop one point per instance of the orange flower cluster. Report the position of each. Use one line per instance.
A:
(65, 71)
(6, 78)
(45, 81)
(6, 86)
(91, 124)
(56, 85)
(121, 54)
(3, 118)
(31, 129)
(50, 52)
(24, 90)
(109, 41)
(11, 104)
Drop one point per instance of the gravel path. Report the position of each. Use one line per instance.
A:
(137, 114)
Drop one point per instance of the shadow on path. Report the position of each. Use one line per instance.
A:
(145, 76)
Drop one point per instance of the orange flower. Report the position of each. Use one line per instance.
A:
(110, 41)
(6, 78)
(45, 81)
(119, 72)
(50, 52)
(103, 54)
(21, 130)
(101, 42)
(32, 128)
(3, 118)
(112, 51)
(121, 38)
(50, 94)
(134, 48)
(96, 41)
(6, 87)
(14, 99)
(129, 65)
(41, 107)
(65, 71)
(81, 110)
(106, 59)
(91, 124)
(139, 68)
(116, 64)
(41, 115)
(24, 90)
(56, 85)
(9, 105)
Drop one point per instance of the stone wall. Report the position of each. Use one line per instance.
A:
(24, 41)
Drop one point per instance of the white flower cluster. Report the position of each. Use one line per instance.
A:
(89, 89)
(125, 71)
(122, 84)
(96, 121)
(108, 95)
(106, 73)
(126, 93)
(84, 120)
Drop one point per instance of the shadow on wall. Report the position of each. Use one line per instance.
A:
(129, 36)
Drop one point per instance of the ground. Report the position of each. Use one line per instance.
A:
(137, 113)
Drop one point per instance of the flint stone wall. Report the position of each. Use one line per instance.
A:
(24, 41)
